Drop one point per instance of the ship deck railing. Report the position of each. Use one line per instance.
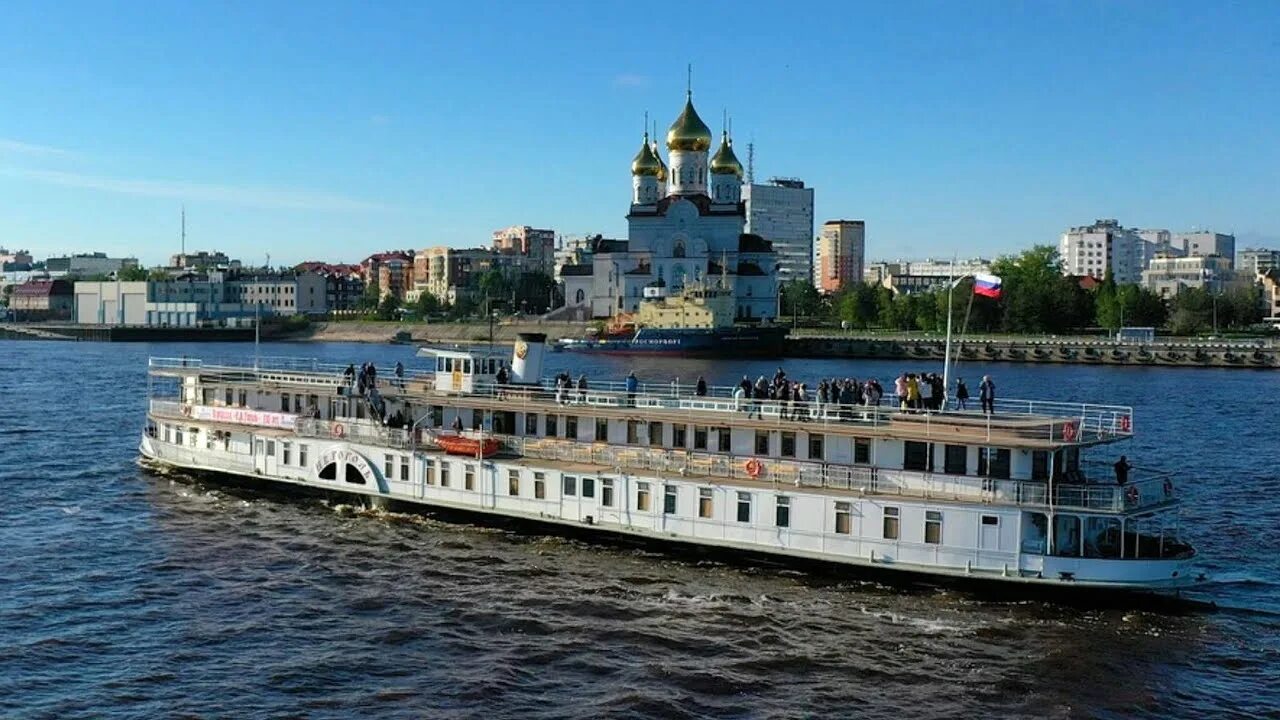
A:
(1147, 487)
(1052, 422)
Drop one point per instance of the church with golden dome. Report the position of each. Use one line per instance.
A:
(685, 227)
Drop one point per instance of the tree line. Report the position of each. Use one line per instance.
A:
(1036, 298)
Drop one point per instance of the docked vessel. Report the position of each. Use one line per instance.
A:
(697, 322)
(1002, 498)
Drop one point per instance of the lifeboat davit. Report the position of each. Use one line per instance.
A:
(463, 445)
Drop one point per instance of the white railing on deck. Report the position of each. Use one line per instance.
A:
(1089, 422)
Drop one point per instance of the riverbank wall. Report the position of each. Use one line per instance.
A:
(1186, 353)
(107, 333)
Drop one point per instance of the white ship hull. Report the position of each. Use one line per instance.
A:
(983, 544)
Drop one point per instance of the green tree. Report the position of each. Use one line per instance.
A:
(536, 292)
(157, 274)
(370, 298)
(132, 274)
(800, 298)
(857, 305)
(389, 307)
(427, 305)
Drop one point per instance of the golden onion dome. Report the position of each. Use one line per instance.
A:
(688, 132)
(662, 167)
(724, 162)
(646, 162)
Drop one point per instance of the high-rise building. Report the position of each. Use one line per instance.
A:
(782, 213)
(1169, 275)
(841, 248)
(1103, 247)
(1258, 261)
(535, 247)
(1202, 243)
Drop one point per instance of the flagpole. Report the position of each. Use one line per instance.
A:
(946, 355)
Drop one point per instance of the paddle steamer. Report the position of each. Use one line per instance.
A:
(1007, 497)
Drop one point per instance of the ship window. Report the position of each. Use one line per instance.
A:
(890, 527)
(430, 472)
(468, 477)
(229, 396)
(1039, 464)
(513, 482)
(642, 496)
(679, 435)
(788, 444)
(302, 454)
(353, 475)
(552, 421)
(244, 398)
(286, 453)
(588, 487)
(329, 472)
(477, 419)
(571, 426)
(744, 507)
(762, 442)
(655, 433)
(956, 459)
(669, 500)
(388, 467)
(437, 416)
(606, 492)
(570, 485)
(602, 429)
(531, 424)
(705, 506)
(915, 455)
(862, 451)
(724, 439)
(633, 432)
(177, 439)
(782, 511)
(404, 467)
(444, 474)
(993, 462)
(933, 527)
(271, 448)
(699, 437)
(844, 518)
(284, 402)
(816, 446)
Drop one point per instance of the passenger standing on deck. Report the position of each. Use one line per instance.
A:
(824, 395)
(582, 389)
(457, 424)
(801, 400)
(632, 385)
(758, 395)
(350, 374)
(926, 391)
(987, 395)
(399, 374)
(700, 389)
(900, 389)
(746, 386)
(913, 391)
(1122, 470)
(962, 394)
(738, 396)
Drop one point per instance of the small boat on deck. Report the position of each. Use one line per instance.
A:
(457, 444)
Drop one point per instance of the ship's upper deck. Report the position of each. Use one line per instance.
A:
(1016, 423)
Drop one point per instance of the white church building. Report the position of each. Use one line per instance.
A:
(682, 228)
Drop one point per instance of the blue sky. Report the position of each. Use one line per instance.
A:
(330, 130)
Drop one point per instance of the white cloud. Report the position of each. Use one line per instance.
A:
(22, 148)
(631, 80)
(262, 197)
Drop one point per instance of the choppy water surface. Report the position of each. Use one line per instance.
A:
(126, 594)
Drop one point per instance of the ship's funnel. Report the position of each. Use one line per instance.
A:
(526, 358)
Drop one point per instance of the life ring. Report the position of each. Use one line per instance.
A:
(337, 431)
(1125, 423)
(754, 468)
(1132, 495)
(1168, 488)
(1069, 431)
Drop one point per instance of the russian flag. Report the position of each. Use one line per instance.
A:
(986, 285)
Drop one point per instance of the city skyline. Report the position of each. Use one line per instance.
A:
(356, 129)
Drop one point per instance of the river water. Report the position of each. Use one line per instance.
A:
(125, 594)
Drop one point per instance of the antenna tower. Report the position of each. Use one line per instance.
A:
(184, 229)
(751, 163)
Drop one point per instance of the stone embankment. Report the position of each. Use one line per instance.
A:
(424, 333)
(1076, 351)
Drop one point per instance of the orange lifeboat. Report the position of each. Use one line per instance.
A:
(463, 445)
